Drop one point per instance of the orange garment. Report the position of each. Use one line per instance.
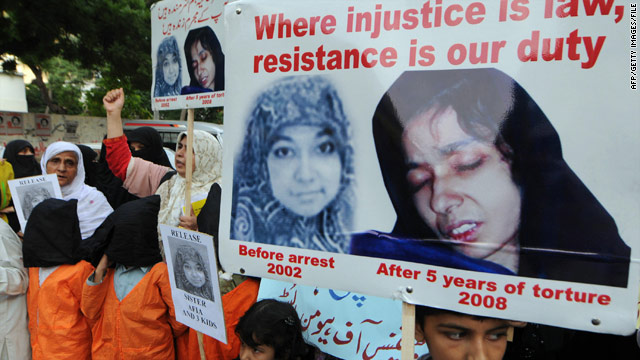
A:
(58, 328)
(141, 326)
(235, 303)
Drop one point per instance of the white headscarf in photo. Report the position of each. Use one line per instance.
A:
(208, 169)
(93, 206)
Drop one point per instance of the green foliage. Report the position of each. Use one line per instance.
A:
(170, 115)
(66, 82)
(100, 36)
(34, 99)
(137, 102)
(75, 42)
(212, 115)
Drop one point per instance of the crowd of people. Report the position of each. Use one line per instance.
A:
(87, 278)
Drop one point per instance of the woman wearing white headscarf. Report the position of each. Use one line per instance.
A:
(65, 160)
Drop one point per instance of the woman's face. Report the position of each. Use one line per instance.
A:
(204, 69)
(181, 158)
(304, 168)
(462, 187)
(37, 199)
(135, 146)
(25, 151)
(65, 166)
(194, 273)
(170, 69)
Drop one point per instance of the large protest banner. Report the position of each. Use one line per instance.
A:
(187, 54)
(475, 156)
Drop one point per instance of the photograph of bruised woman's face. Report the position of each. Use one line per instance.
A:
(476, 175)
(462, 186)
(205, 61)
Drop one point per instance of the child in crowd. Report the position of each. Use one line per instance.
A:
(191, 273)
(270, 330)
(452, 336)
(51, 250)
(130, 306)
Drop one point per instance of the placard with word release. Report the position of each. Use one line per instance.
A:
(193, 274)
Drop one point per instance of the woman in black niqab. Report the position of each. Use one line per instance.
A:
(153, 150)
(24, 165)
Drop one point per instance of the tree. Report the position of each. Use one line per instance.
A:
(102, 36)
(66, 83)
(138, 101)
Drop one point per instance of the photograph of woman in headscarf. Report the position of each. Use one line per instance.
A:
(293, 177)
(472, 165)
(192, 272)
(33, 195)
(168, 79)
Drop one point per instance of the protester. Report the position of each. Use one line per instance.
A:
(294, 175)
(270, 330)
(129, 306)
(21, 155)
(146, 143)
(89, 161)
(168, 79)
(14, 334)
(100, 176)
(144, 178)
(65, 160)
(6, 203)
(53, 252)
(454, 336)
(205, 61)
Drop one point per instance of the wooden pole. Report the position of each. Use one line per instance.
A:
(408, 331)
(189, 164)
(201, 345)
(187, 197)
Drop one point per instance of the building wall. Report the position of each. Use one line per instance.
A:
(41, 130)
(13, 96)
